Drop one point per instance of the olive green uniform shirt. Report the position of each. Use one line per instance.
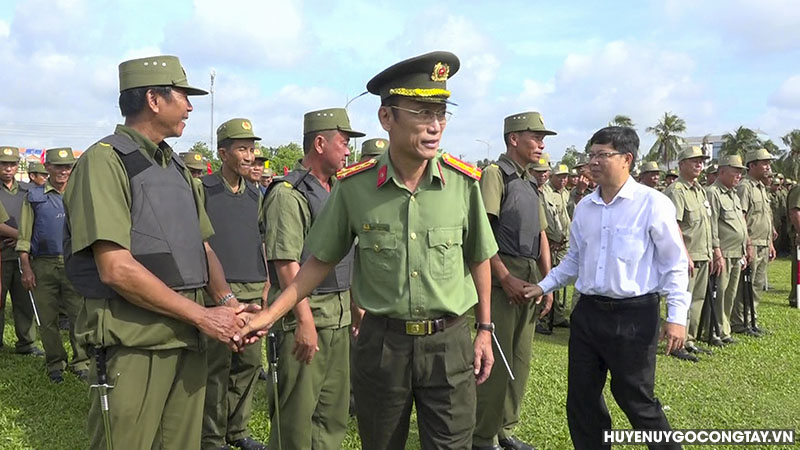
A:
(26, 221)
(8, 252)
(3, 214)
(793, 202)
(492, 192)
(575, 198)
(288, 218)
(414, 248)
(98, 205)
(729, 230)
(755, 203)
(694, 214)
(558, 220)
(242, 291)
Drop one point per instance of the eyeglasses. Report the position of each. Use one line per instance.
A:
(602, 156)
(427, 115)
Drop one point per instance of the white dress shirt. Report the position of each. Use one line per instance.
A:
(629, 247)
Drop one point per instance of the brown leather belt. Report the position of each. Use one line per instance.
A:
(419, 327)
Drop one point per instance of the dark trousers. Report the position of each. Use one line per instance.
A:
(620, 336)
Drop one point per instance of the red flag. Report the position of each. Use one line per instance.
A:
(285, 171)
(208, 168)
(41, 158)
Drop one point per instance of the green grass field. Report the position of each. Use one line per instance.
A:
(753, 384)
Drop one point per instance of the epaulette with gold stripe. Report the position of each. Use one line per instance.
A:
(465, 168)
(356, 168)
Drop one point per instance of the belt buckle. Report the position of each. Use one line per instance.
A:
(416, 328)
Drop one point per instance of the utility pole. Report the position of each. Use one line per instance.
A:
(213, 74)
(488, 148)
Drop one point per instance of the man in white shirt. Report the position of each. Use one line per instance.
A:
(625, 248)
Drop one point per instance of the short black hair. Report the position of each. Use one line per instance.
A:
(225, 143)
(623, 139)
(308, 139)
(132, 101)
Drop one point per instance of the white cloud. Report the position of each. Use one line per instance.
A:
(787, 96)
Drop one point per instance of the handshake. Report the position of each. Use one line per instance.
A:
(234, 324)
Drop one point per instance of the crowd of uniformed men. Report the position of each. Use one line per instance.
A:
(162, 268)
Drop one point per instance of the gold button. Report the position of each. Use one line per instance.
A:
(413, 235)
(414, 274)
(449, 242)
(413, 198)
(376, 247)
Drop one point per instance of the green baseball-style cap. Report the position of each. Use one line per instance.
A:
(59, 156)
(573, 173)
(560, 169)
(36, 167)
(731, 161)
(543, 164)
(9, 154)
(268, 172)
(161, 70)
(260, 155)
(758, 155)
(650, 166)
(236, 129)
(672, 173)
(692, 152)
(193, 160)
(583, 160)
(329, 119)
(526, 121)
(374, 147)
(422, 78)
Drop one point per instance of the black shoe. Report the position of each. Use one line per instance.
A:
(760, 331)
(683, 355)
(249, 444)
(541, 329)
(33, 351)
(698, 350)
(56, 376)
(262, 374)
(82, 375)
(793, 303)
(512, 443)
(716, 342)
(63, 322)
(729, 340)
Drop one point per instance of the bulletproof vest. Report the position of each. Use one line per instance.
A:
(165, 231)
(237, 239)
(48, 222)
(339, 278)
(13, 203)
(517, 230)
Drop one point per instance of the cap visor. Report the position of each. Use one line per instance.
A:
(193, 90)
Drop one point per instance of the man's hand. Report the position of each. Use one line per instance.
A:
(533, 290)
(717, 263)
(514, 289)
(246, 312)
(357, 315)
(484, 359)
(749, 255)
(28, 278)
(691, 266)
(582, 184)
(548, 303)
(223, 323)
(305, 341)
(772, 253)
(674, 335)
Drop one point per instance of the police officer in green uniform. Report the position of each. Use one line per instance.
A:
(515, 209)
(314, 348)
(37, 174)
(729, 238)
(711, 174)
(233, 205)
(257, 168)
(752, 192)
(194, 162)
(694, 218)
(583, 187)
(424, 243)
(372, 148)
(777, 202)
(670, 177)
(137, 254)
(12, 193)
(556, 198)
(793, 213)
(42, 261)
(540, 170)
(651, 173)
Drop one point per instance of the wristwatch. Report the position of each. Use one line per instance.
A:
(485, 326)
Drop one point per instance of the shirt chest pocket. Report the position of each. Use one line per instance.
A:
(693, 213)
(628, 244)
(728, 212)
(378, 249)
(445, 257)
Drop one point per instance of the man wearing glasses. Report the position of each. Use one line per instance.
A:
(625, 248)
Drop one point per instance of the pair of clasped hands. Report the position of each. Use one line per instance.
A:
(520, 292)
(234, 324)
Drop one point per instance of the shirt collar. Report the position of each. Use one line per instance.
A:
(14, 186)
(152, 149)
(49, 187)
(241, 185)
(521, 172)
(628, 191)
(432, 171)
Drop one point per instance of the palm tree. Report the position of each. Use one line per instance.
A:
(668, 143)
(791, 160)
(741, 141)
(621, 121)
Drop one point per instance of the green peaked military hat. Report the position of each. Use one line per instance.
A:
(731, 161)
(236, 129)
(583, 160)
(374, 147)
(329, 119)
(560, 169)
(650, 166)
(260, 155)
(692, 152)
(59, 156)
(36, 167)
(542, 164)
(526, 121)
(193, 160)
(672, 173)
(161, 70)
(758, 155)
(9, 154)
(712, 168)
(422, 78)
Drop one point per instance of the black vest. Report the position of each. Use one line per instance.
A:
(517, 232)
(165, 231)
(13, 205)
(237, 239)
(47, 238)
(338, 280)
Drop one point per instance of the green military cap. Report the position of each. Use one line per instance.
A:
(329, 119)
(734, 161)
(36, 167)
(712, 168)
(193, 160)
(155, 71)
(268, 172)
(526, 121)
(780, 176)
(260, 154)
(374, 147)
(692, 152)
(650, 166)
(672, 173)
(583, 160)
(573, 173)
(560, 169)
(757, 155)
(59, 156)
(9, 154)
(790, 181)
(236, 129)
(422, 78)
(543, 164)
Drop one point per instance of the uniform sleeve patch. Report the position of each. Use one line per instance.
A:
(465, 168)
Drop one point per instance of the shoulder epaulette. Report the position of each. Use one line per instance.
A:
(356, 168)
(465, 168)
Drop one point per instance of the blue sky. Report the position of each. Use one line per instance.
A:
(717, 64)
